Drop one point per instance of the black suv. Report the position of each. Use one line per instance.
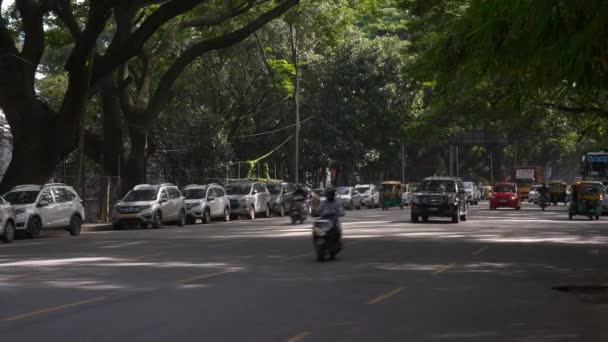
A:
(442, 197)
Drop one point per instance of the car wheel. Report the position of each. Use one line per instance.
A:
(569, 216)
(372, 206)
(157, 220)
(464, 217)
(597, 217)
(206, 216)
(425, 218)
(226, 214)
(118, 227)
(75, 226)
(351, 206)
(282, 210)
(9, 232)
(456, 218)
(414, 218)
(181, 221)
(34, 228)
(518, 208)
(359, 206)
(252, 213)
(267, 214)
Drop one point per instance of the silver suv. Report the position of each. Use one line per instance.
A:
(206, 202)
(51, 206)
(7, 221)
(248, 198)
(150, 204)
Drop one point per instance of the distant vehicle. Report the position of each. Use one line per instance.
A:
(505, 195)
(7, 221)
(440, 197)
(321, 194)
(150, 205)
(281, 195)
(527, 176)
(47, 207)
(472, 193)
(369, 195)
(349, 197)
(249, 199)
(206, 202)
(533, 195)
(391, 194)
(594, 167)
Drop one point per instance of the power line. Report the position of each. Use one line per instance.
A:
(242, 136)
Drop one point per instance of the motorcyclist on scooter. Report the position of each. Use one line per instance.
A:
(332, 209)
(543, 193)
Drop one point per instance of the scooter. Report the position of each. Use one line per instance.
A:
(298, 212)
(326, 239)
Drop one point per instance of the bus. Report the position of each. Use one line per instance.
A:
(594, 167)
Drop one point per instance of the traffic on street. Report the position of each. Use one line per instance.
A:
(503, 275)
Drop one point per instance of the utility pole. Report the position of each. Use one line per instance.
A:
(451, 160)
(402, 162)
(296, 100)
(457, 163)
(491, 167)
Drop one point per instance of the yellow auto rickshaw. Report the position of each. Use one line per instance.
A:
(558, 192)
(391, 194)
(586, 199)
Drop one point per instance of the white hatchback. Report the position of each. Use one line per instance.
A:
(50, 206)
(369, 195)
(7, 221)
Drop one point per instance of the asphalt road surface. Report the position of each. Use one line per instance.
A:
(501, 276)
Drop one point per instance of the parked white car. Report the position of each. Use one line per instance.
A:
(150, 204)
(50, 206)
(249, 198)
(349, 197)
(206, 202)
(7, 221)
(370, 196)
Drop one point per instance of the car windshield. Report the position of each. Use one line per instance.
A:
(438, 185)
(274, 189)
(195, 193)
(504, 188)
(363, 189)
(238, 189)
(140, 195)
(21, 197)
(343, 191)
(468, 185)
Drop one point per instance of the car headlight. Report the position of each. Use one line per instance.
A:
(513, 197)
(20, 211)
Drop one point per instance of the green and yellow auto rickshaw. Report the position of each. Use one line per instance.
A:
(586, 199)
(390, 194)
(557, 192)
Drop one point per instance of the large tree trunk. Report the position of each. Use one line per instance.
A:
(137, 160)
(35, 144)
(113, 143)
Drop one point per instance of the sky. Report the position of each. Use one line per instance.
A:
(6, 3)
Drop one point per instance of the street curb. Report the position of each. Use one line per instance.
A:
(97, 227)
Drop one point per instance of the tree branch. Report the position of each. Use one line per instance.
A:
(160, 97)
(121, 51)
(63, 10)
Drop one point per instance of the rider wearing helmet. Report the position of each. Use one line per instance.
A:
(331, 209)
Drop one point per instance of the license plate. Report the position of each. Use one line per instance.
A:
(320, 241)
(128, 216)
(503, 201)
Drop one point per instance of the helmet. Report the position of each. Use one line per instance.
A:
(330, 194)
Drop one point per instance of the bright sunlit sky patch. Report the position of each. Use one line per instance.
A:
(7, 3)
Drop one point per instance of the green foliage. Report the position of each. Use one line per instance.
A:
(283, 74)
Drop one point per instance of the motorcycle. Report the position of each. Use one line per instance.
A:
(298, 212)
(543, 201)
(326, 239)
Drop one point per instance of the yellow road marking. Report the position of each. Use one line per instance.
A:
(51, 309)
(481, 250)
(199, 277)
(385, 296)
(299, 337)
(443, 269)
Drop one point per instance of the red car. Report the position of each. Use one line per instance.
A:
(505, 195)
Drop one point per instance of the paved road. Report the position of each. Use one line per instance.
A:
(488, 279)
